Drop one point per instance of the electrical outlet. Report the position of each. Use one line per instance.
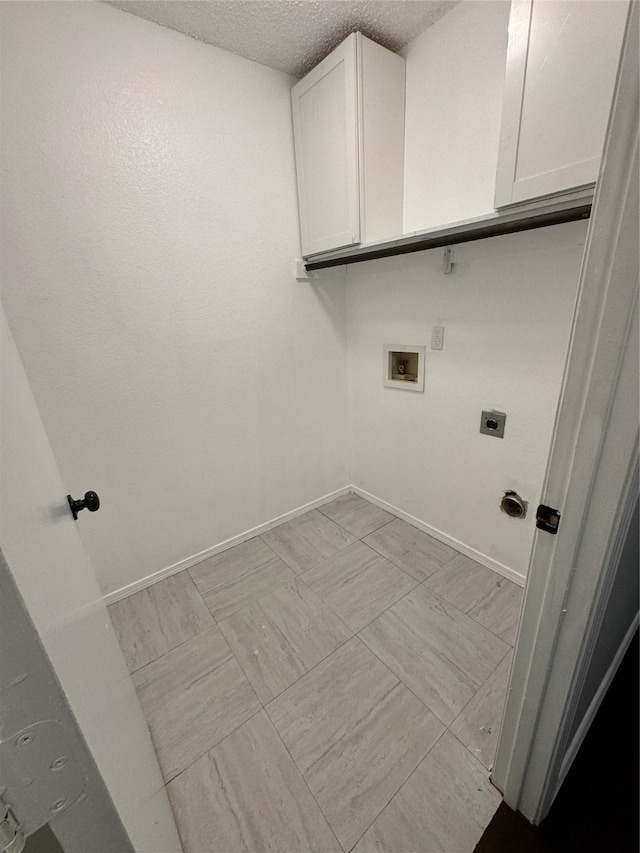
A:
(437, 337)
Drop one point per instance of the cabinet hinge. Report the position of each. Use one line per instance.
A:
(12, 838)
(39, 775)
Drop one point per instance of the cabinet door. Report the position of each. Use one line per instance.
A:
(561, 68)
(325, 124)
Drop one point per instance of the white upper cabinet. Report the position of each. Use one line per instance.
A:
(562, 62)
(348, 122)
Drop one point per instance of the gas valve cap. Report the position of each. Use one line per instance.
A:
(513, 504)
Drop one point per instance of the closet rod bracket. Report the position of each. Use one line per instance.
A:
(447, 262)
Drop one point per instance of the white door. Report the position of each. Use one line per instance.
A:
(592, 477)
(325, 126)
(54, 577)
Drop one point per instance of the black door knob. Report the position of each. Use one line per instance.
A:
(90, 501)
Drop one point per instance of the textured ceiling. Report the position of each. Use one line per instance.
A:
(290, 35)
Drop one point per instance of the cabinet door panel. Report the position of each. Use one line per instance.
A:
(326, 138)
(561, 69)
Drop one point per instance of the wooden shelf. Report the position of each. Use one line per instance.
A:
(481, 228)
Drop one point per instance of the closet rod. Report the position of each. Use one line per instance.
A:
(465, 234)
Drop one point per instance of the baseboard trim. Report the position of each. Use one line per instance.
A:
(478, 556)
(592, 710)
(188, 562)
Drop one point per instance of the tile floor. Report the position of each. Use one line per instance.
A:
(335, 684)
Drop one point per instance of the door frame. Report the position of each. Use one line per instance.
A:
(591, 478)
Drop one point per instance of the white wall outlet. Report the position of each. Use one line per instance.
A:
(437, 337)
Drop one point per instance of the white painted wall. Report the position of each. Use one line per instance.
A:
(455, 79)
(150, 224)
(506, 310)
(149, 228)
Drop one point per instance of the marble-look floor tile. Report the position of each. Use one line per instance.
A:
(247, 795)
(192, 697)
(478, 724)
(443, 808)
(440, 653)
(307, 540)
(483, 594)
(356, 515)
(358, 584)
(281, 636)
(356, 734)
(155, 620)
(233, 579)
(412, 550)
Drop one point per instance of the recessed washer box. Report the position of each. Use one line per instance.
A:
(403, 367)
